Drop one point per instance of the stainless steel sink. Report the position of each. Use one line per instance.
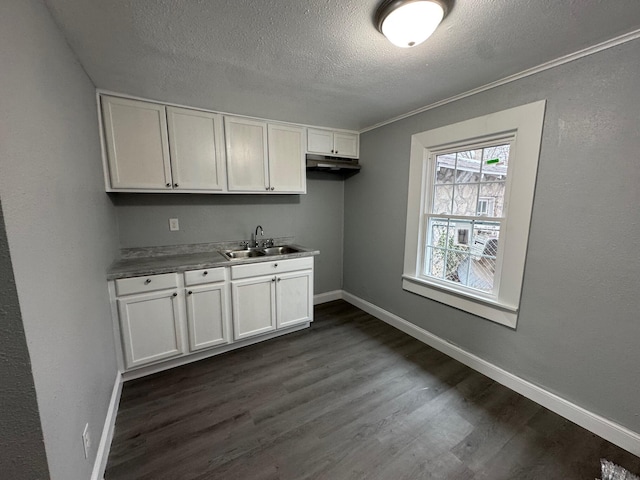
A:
(245, 253)
(282, 250)
(259, 252)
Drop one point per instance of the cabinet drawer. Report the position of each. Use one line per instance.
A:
(126, 286)
(206, 275)
(267, 268)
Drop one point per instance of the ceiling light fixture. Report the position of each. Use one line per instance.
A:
(407, 23)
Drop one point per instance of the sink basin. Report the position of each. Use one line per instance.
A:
(259, 252)
(245, 253)
(282, 250)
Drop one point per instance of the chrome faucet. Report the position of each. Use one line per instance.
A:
(255, 236)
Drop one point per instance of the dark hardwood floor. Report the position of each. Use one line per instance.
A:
(349, 398)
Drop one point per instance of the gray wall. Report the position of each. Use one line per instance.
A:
(21, 442)
(578, 328)
(314, 219)
(61, 230)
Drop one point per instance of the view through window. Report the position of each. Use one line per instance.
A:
(465, 212)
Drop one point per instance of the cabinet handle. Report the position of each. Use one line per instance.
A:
(190, 292)
(205, 273)
(175, 294)
(147, 281)
(168, 185)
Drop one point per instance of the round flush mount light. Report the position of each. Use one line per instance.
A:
(407, 23)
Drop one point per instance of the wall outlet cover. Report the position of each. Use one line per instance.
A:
(174, 226)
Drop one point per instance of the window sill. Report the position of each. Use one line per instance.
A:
(491, 310)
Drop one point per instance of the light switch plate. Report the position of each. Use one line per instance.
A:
(174, 226)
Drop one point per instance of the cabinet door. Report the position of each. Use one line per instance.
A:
(246, 142)
(254, 306)
(287, 169)
(150, 325)
(137, 144)
(207, 316)
(319, 141)
(345, 144)
(197, 155)
(294, 298)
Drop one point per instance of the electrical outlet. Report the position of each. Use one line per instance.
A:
(86, 441)
(174, 226)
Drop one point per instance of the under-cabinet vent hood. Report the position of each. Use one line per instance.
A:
(344, 166)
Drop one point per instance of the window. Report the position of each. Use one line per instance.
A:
(470, 198)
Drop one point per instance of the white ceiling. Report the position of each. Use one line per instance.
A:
(320, 62)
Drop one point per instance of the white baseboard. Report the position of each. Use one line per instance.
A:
(327, 297)
(611, 431)
(104, 447)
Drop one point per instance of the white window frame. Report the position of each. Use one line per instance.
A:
(524, 125)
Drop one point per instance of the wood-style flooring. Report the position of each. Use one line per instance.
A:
(349, 398)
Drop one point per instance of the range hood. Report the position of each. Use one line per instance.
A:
(344, 166)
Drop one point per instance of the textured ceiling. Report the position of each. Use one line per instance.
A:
(320, 62)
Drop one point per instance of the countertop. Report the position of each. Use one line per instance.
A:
(152, 261)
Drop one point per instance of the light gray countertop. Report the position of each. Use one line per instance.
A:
(156, 260)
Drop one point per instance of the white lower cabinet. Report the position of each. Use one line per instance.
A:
(207, 314)
(280, 299)
(162, 317)
(150, 324)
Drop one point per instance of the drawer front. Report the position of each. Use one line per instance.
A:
(206, 275)
(268, 268)
(127, 286)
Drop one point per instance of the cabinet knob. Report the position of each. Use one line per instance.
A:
(205, 273)
(273, 279)
(266, 188)
(279, 279)
(275, 265)
(175, 184)
(272, 188)
(168, 185)
(147, 281)
(190, 292)
(336, 151)
(332, 151)
(175, 294)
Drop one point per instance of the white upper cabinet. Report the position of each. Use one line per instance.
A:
(287, 170)
(327, 142)
(137, 144)
(246, 142)
(264, 158)
(197, 153)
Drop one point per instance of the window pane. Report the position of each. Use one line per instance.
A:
(493, 195)
(495, 162)
(468, 166)
(442, 197)
(436, 235)
(445, 168)
(454, 261)
(464, 200)
(434, 262)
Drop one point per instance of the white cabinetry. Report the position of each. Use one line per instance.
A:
(137, 144)
(264, 157)
(150, 319)
(207, 308)
(197, 153)
(246, 142)
(150, 147)
(287, 169)
(327, 142)
(270, 295)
